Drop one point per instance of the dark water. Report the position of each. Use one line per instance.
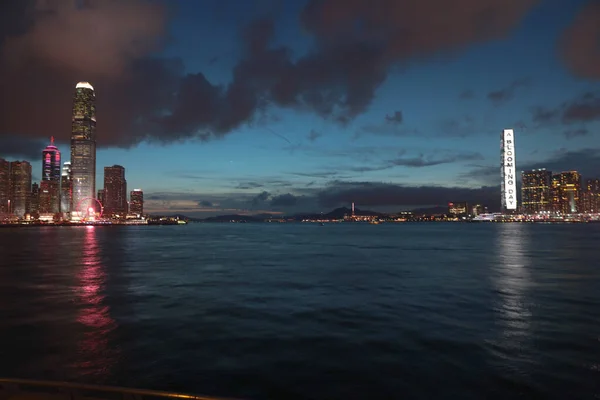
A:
(301, 311)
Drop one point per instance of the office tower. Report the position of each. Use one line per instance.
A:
(50, 184)
(591, 196)
(535, 191)
(34, 200)
(566, 192)
(115, 191)
(4, 185)
(83, 147)
(136, 202)
(508, 170)
(101, 198)
(457, 209)
(20, 187)
(66, 188)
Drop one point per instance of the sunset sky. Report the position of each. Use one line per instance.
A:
(229, 106)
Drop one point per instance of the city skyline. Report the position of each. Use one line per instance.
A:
(417, 128)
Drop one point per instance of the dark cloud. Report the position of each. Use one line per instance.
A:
(249, 185)
(369, 194)
(315, 174)
(205, 203)
(147, 98)
(260, 198)
(580, 44)
(499, 97)
(395, 118)
(583, 109)
(575, 133)
(467, 95)
(284, 200)
(16, 147)
(314, 135)
(586, 161)
(435, 159)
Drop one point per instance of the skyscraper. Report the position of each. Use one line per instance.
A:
(66, 188)
(83, 147)
(136, 202)
(566, 192)
(20, 187)
(535, 191)
(50, 184)
(4, 185)
(101, 198)
(591, 196)
(115, 191)
(508, 170)
(34, 200)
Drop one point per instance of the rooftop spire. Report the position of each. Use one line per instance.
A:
(51, 140)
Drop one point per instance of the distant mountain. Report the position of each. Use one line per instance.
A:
(234, 217)
(430, 211)
(338, 213)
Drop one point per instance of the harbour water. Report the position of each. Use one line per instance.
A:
(302, 311)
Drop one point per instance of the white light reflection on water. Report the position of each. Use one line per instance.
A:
(95, 355)
(511, 278)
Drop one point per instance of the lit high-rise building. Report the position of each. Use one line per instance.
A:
(535, 191)
(591, 196)
(4, 185)
(20, 187)
(508, 170)
(136, 202)
(50, 184)
(34, 200)
(66, 188)
(83, 147)
(101, 198)
(566, 192)
(115, 191)
(458, 209)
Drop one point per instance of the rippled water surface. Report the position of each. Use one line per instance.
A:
(301, 311)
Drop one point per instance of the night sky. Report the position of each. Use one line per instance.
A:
(230, 106)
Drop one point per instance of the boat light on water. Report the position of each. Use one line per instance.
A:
(25, 389)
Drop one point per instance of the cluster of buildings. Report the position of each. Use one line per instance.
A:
(67, 192)
(544, 194)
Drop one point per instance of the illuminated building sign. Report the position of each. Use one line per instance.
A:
(509, 183)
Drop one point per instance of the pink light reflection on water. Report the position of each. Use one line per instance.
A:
(96, 355)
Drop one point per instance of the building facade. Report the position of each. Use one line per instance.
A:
(566, 192)
(591, 196)
(458, 209)
(66, 188)
(4, 185)
(136, 202)
(508, 171)
(535, 191)
(50, 184)
(83, 147)
(34, 200)
(20, 188)
(115, 191)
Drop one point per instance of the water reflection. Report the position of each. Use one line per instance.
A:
(96, 357)
(512, 279)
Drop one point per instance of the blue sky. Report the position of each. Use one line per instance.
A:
(445, 133)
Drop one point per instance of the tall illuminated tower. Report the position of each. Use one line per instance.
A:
(20, 187)
(66, 188)
(508, 171)
(115, 191)
(83, 147)
(50, 184)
